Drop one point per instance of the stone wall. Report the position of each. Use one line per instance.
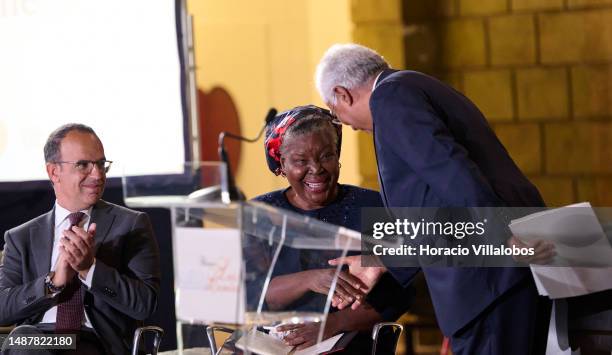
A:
(378, 25)
(541, 72)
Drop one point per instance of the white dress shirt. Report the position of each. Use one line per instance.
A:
(376, 81)
(61, 224)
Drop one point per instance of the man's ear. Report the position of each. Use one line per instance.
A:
(52, 172)
(343, 95)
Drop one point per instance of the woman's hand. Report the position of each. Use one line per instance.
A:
(544, 251)
(306, 334)
(348, 287)
(286, 289)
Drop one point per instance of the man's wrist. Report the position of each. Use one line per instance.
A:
(54, 279)
(86, 276)
(50, 286)
(83, 273)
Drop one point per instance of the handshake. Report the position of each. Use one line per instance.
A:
(354, 285)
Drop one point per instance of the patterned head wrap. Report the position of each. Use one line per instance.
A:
(277, 127)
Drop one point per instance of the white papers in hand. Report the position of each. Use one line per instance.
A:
(575, 230)
(264, 344)
(579, 240)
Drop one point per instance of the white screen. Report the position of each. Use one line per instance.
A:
(110, 64)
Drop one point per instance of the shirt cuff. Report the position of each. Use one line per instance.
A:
(89, 277)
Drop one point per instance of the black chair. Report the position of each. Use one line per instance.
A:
(385, 337)
(210, 333)
(158, 334)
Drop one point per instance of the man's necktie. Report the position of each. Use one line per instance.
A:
(70, 310)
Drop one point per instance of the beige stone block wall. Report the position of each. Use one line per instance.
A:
(540, 71)
(578, 148)
(386, 38)
(378, 25)
(491, 91)
(419, 10)
(526, 156)
(520, 5)
(555, 191)
(368, 168)
(576, 36)
(363, 11)
(454, 79)
(595, 190)
(512, 40)
(479, 7)
(463, 43)
(592, 91)
(421, 46)
(587, 3)
(542, 93)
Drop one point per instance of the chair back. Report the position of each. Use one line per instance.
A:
(385, 337)
(158, 333)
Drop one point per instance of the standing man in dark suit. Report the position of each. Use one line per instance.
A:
(87, 267)
(434, 148)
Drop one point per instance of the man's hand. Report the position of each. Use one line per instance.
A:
(78, 246)
(544, 251)
(348, 287)
(64, 273)
(367, 275)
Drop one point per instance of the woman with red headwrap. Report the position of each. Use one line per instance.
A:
(303, 146)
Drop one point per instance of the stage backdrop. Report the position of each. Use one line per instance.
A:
(112, 64)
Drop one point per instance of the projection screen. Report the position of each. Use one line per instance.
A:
(111, 64)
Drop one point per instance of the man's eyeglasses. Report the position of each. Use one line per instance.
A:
(335, 120)
(86, 166)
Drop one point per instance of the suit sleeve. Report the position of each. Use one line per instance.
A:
(134, 290)
(391, 299)
(19, 301)
(407, 124)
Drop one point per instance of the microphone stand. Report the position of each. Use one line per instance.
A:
(233, 193)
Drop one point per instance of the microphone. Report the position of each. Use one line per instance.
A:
(269, 117)
(233, 193)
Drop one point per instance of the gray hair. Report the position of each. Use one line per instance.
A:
(52, 146)
(347, 65)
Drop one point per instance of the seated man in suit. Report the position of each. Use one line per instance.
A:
(87, 267)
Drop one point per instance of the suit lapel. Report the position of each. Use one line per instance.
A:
(102, 216)
(41, 241)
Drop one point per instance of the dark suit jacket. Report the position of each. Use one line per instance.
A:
(125, 282)
(435, 149)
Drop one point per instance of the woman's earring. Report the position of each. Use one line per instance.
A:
(339, 165)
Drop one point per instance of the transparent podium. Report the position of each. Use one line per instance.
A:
(230, 259)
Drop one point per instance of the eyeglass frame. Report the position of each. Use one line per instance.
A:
(335, 119)
(90, 163)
